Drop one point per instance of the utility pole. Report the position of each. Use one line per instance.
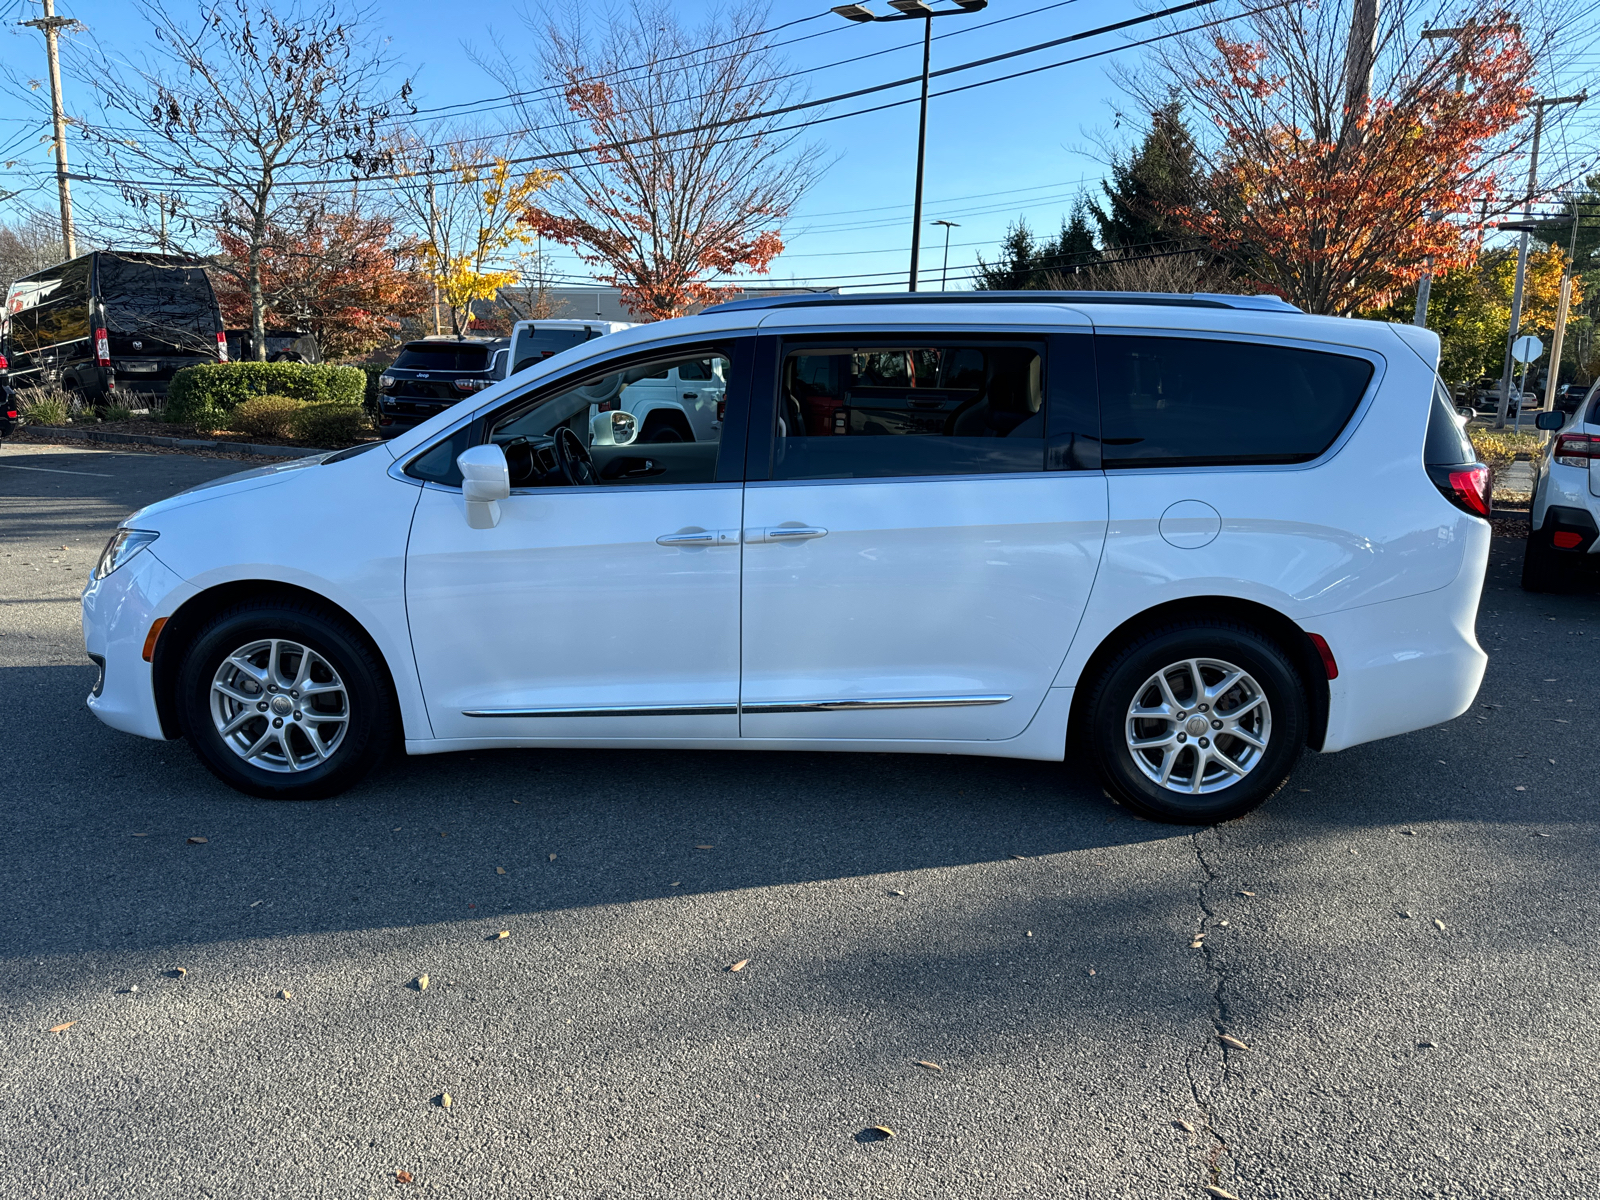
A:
(1539, 106)
(1563, 309)
(51, 25)
(1464, 34)
(944, 277)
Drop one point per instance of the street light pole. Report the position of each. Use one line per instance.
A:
(944, 276)
(915, 10)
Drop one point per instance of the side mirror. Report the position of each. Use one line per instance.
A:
(485, 480)
(1550, 420)
(615, 428)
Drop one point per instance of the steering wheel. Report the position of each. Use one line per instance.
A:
(577, 466)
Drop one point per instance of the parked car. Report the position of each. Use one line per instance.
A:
(1048, 526)
(111, 320)
(9, 418)
(1562, 529)
(534, 341)
(430, 376)
(283, 345)
(1569, 396)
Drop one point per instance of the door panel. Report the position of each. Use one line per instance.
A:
(954, 592)
(571, 602)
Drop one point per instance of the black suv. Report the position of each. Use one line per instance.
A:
(431, 375)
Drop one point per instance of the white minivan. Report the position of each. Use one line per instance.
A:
(1172, 539)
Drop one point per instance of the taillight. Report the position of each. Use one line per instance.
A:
(4, 365)
(102, 347)
(222, 346)
(472, 385)
(1468, 486)
(1576, 449)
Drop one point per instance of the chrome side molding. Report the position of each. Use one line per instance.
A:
(612, 710)
(800, 706)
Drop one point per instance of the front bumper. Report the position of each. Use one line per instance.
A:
(117, 614)
(1410, 663)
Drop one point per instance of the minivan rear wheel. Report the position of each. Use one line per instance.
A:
(1197, 723)
(284, 701)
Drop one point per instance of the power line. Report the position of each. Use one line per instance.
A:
(768, 114)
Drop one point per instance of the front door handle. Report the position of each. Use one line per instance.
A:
(700, 537)
(785, 533)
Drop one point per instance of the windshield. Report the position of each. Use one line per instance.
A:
(442, 356)
(174, 304)
(537, 343)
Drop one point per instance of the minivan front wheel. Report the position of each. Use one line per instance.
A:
(1197, 723)
(284, 701)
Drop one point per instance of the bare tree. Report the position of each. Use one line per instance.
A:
(29, 244)
(233, 114)
(665, 186)
(1159, 271)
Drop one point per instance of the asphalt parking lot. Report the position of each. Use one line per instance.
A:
(1404, 940)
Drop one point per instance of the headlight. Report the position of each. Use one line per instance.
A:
(385, 383)
(124, 544)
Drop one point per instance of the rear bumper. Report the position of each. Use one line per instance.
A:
(1409, 663)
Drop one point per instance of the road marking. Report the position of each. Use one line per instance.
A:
(55, 471)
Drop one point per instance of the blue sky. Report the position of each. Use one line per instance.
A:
(1019, 148)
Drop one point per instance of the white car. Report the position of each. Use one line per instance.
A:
(1562, 529)
(1033, 525)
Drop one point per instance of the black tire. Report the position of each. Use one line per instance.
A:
(346, 657)
(1543, 568)
(1131, 674)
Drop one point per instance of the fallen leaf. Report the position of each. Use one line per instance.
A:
(421, 983)
(1520, 789)
(1222, 924)
(552, 858)
(63, 1027)
(1438, 924)
(1246, 893)
(499, 870)
(1217, 1193)
(444, 1099)
(397, 829)
(932, 1066)
(502, 935)
(1427, 1045)
(285, 994)
(884, 1130)
(705, 847)
(1019, 856)
(896, 892)
(1197, 945)
(676, 883)
(147, 835)
(402, 1176)
(740, 965)
(1185, 1126)
(178, 972)
(1228, 1039)
(197, 841)
(516, 802)
(255, 903)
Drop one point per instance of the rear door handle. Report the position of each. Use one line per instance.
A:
(785, 533)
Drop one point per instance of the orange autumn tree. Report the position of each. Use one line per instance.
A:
(664, 188)
(326, 267)
(1335, 193)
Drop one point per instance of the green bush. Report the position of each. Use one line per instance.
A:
(266, 416)
(372, 371)
(331, 424)
(211, 391)
(41, 407)
(116, 412)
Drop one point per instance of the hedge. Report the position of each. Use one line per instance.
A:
(331, 424)
(211, 391)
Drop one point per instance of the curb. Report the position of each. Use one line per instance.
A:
(141, 439)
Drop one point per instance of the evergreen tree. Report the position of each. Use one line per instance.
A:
(1148, 184)
(1012, 270)
(1027, 265)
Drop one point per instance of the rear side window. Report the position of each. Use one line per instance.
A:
(536, 344)
(1189, 402)
(172, 303)
(913, 408)
(442, 356)
(1447, 444)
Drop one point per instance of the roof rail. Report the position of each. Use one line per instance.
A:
(1264, 303)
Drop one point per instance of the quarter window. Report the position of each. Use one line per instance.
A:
(1178, 402)
(912, 408)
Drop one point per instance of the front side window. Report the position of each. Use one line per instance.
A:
(913, 408)
(626, 426)
(1179, 402)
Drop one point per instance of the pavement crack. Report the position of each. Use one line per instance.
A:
(1217, 976)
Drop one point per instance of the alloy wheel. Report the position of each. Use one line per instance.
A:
(279, 705)
(1198, 726)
